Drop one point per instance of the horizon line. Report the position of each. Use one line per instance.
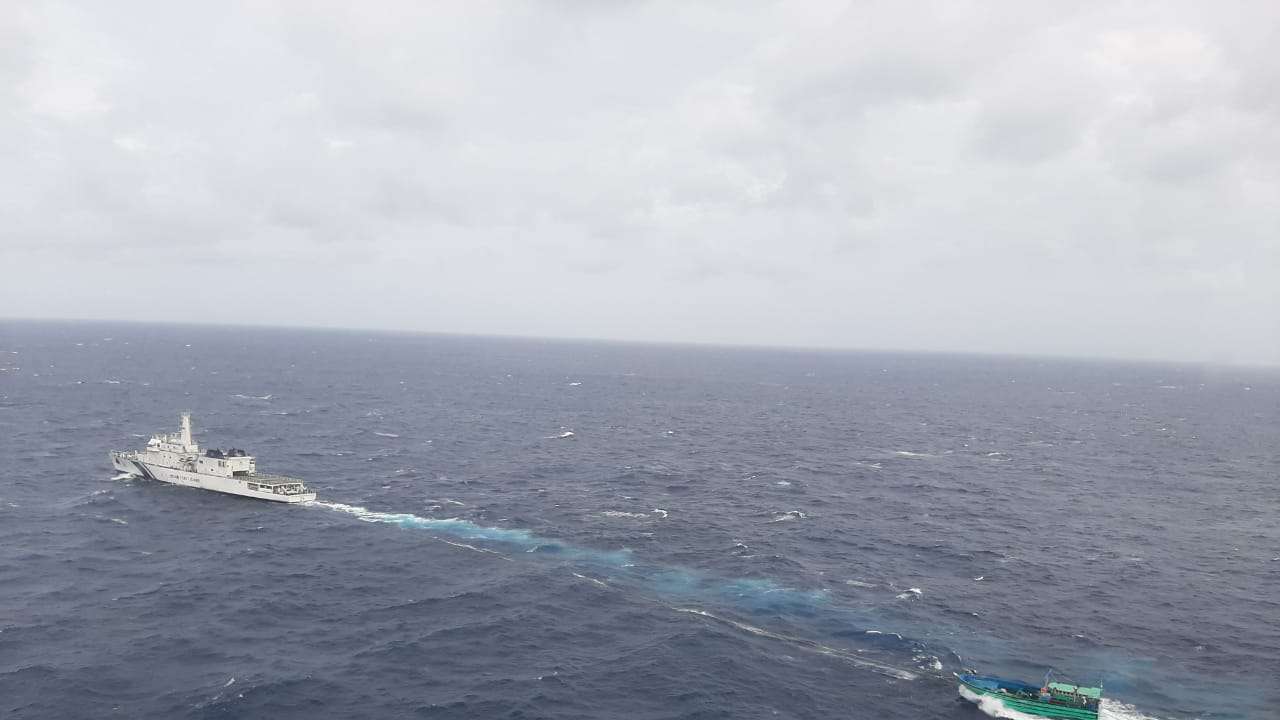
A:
(664, 343)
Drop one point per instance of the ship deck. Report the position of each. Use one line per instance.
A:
(270, 480)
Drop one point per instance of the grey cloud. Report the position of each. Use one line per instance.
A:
(844, 94)
(1026, 135)
(1026, 177)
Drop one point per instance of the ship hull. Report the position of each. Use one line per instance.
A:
(975, 694)
(128, 463)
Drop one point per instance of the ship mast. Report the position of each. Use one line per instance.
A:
(186, 429)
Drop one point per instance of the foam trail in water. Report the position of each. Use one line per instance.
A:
(881, 668)
(474, 548)
(1113, 710)
(468, 530)
(753, 595)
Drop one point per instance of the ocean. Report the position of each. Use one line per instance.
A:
(513, 528)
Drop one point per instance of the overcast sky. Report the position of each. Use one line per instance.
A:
(1067, 178)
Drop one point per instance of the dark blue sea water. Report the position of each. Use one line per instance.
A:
(728, 533)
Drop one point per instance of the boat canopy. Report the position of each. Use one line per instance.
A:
(1067, 689)
(995, 684)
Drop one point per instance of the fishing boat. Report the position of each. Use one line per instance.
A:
(1048, 700)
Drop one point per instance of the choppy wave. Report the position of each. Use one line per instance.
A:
(390, 590)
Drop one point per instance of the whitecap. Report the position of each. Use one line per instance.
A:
(788, 515)
(931, 662)
(910, 594)
(119, 521)
(574, 384)
(908, 453)
(386, 435)
(859, 583)
(562, 436)
(592, 580)
(472, 547)
(661, 512)
(621, 513)
(783, 483)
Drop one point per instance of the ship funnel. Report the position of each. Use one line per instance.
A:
(186, 428)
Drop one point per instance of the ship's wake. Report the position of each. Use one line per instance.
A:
(673, 587)
(878, 667)
(1113, 710)
(678, 589)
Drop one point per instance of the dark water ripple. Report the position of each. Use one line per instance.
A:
(727, 533)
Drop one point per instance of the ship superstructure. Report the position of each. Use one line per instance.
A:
(176, 458)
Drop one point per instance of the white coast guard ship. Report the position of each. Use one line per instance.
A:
(176, 458)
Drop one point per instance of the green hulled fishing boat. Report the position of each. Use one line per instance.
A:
(1049, 700)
